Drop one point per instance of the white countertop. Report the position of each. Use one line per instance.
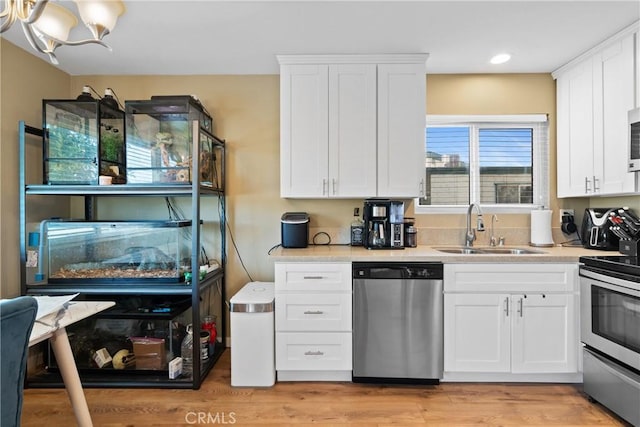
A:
(345, 253)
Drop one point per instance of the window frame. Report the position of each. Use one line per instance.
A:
(540, 160)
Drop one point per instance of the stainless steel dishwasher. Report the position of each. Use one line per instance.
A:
(398, 316)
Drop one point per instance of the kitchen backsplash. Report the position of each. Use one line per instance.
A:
(514, 236)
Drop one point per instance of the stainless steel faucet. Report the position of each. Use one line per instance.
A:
(471, 233)
(493, 241)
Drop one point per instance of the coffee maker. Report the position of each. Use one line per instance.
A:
(383, 224)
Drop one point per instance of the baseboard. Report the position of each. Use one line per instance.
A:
(488, 377)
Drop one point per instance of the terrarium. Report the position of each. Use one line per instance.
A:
(115, 251)
(161, 135)
(83, 139)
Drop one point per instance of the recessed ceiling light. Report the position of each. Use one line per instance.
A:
(500, 58)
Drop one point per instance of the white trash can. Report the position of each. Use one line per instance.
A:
(252, 336)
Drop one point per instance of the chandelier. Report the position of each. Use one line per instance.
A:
(47, 24)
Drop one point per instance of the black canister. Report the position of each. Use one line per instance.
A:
(410, 233)
(294, 228)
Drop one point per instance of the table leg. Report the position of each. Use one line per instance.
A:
(69, 371)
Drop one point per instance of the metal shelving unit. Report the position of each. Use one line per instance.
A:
(214, 281)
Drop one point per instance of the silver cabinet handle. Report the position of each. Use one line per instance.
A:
(586, 185)
(314, 312)
(506, 306)
(520, 307)
(324, 183)
(421, 188)
(313, 353)
(595, 184)
(333, 181)
(313, 277)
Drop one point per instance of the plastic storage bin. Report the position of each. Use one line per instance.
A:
(252, 336)
(113, 251)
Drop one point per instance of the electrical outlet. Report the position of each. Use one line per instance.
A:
(564, 212)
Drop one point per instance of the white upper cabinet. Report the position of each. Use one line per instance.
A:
(614, 98)
(637, 33)
(575, 130)
(401, 130)
(304, 136)
(594, 94)
(352, 130)
(352, 126)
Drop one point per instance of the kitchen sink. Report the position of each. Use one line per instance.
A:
(511, 251)
(459, 250)
(488, 250)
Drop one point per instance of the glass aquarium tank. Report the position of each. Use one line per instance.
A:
(83, 139)
(74, 251)
(160, 140)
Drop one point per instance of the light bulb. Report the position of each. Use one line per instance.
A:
(55, 22)
(100, 15)
(500, 58)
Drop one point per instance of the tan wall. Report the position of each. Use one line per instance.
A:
(24, 81)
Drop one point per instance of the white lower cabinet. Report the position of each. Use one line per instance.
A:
(313, 321)
(502, 326)
(314, 352)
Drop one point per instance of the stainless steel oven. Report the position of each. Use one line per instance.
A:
(611, 316)
(610, 332)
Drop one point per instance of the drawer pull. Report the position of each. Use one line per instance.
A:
(314, 353)
(313, 277)
(314, 312)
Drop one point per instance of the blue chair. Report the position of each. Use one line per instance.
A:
(17, 316)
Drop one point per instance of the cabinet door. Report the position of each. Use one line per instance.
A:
(637, 60)
(614, 97)
(352, 130)
(477, 333)
(401, 129)
(304, 132)
(544, 333)
(575, 131)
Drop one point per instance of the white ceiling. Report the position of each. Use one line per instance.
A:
(243, 37)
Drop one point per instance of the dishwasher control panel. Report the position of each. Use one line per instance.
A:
(400, 270)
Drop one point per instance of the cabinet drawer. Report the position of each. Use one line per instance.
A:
(313, 312)
(313, 276)
(313, 351)
(508, 277)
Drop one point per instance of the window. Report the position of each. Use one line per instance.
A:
(499, 162)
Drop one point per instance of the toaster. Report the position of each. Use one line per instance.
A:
(596, 233)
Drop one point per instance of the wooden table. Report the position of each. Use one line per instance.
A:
(53, 326)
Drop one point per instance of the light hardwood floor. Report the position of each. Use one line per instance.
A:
(326, 404)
